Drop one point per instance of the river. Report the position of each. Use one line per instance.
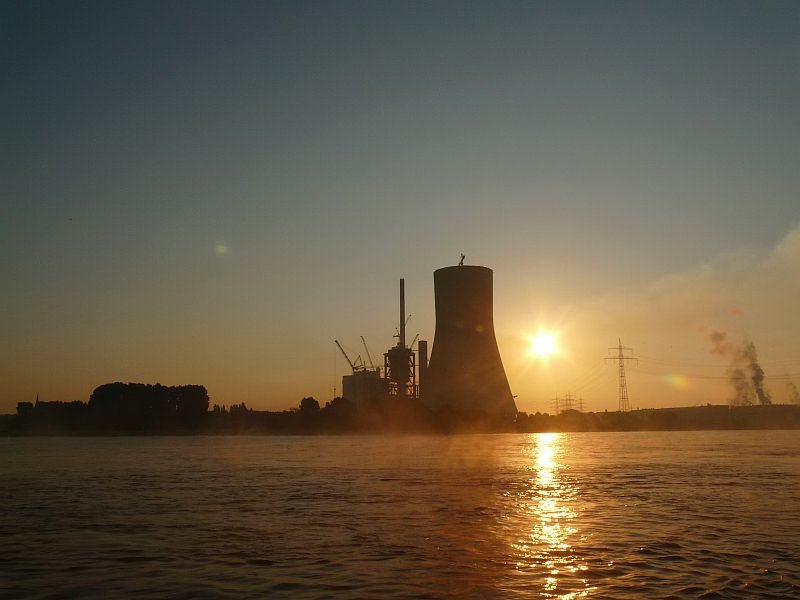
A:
(595, 515)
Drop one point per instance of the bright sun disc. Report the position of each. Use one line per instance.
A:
(543, 344)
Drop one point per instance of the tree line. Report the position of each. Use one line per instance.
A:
(119, 408)
(142, 409)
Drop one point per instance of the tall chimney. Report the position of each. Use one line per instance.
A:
(402, 341)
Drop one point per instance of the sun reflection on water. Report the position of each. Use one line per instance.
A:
(547, 503)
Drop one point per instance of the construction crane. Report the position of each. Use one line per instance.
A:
(414, 341)
(355, 366)
(369, 356)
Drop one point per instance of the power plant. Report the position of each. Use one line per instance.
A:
(366, 387)
(465, 374)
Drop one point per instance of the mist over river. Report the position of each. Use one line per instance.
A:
(570, 515)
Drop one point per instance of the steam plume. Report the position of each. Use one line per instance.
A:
(756, 372)
(743, 362)
(794, 395)
(720, 344)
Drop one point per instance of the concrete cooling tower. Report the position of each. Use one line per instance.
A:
(465, 373)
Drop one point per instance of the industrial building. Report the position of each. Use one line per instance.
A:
(465, 374)
(367, 387)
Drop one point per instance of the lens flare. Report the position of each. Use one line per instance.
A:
(677, 381)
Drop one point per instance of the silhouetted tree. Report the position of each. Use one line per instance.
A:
(192, 403)
(239, 409)
(309, 404)
(137, 407)
(339, 414)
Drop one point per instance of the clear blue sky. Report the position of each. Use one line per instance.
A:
(211, 192)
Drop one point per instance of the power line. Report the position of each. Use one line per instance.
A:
(591, 378)
(726, 377)
(716, 365)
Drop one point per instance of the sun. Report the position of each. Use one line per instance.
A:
(543, 345)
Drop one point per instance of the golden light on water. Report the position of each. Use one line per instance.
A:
(546, 546)
(544, 457)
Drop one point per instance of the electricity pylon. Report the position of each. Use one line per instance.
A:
(568, 402)
(624, 404)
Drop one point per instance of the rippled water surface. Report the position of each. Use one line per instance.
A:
(599, 515)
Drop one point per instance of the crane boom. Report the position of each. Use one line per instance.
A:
(369, 356)
(414, 341)
(347, 358)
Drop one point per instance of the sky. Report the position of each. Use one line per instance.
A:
(212, 192)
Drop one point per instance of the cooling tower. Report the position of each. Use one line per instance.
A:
(465, 373)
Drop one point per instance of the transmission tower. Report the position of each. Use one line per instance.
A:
(567, 402)
(624, 404)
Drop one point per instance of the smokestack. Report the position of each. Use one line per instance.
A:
(422, 364)
(402, 341)
(466, 372)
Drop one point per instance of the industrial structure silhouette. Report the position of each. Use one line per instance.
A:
(465, 374)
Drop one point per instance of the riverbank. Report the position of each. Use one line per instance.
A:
(344, 418)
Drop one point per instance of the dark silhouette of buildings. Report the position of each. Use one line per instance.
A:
(464, 381)
(462, 388)
(340, 416)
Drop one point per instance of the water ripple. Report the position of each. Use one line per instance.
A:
(686, 515)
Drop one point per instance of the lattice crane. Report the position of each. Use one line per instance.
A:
(355, 366)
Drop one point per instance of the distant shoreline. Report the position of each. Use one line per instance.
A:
(300, 423)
